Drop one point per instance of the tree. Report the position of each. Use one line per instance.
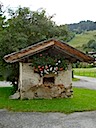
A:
(90, 46)
(24, 28)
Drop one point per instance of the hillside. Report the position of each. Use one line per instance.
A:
(80, 39)
(82, 26)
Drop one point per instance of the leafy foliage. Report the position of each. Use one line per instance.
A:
(46, 64)
(24, 28)
(90, 46)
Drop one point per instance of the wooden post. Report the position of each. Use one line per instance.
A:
(20, 78)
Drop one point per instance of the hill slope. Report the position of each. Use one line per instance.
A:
(82, 38)
(82, 26)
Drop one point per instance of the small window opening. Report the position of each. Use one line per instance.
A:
(48, 80)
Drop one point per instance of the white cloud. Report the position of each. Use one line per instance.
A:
(67, 11)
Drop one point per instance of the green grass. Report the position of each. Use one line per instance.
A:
(90, 72)
(83, 38)
(83, 100)
(75, 79)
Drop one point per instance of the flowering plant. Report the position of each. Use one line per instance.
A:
(45, 64)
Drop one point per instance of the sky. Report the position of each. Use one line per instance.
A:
(64, 11)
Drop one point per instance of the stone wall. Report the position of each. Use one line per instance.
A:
(33, 87)
(29, 78)
(64, 77)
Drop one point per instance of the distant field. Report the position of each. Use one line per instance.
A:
(90, 72)
(83, 38)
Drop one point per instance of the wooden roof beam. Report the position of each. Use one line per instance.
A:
(71, 55)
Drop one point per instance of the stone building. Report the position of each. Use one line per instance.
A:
(46, 80)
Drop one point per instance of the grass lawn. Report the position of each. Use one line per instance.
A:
(90, 72)
(83, 100)
(75, 79)
(82, 38)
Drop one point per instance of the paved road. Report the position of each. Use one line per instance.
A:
(47, 120)
(5, 84)
(85, 82)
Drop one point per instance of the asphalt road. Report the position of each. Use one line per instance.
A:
(47, 120)
(5, 84)
(85, 82)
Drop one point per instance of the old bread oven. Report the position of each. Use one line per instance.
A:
(45, 69)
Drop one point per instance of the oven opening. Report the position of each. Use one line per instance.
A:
(48, 80)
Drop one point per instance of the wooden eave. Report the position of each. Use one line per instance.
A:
(74, 52)
(49, 44)
(29, 51)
